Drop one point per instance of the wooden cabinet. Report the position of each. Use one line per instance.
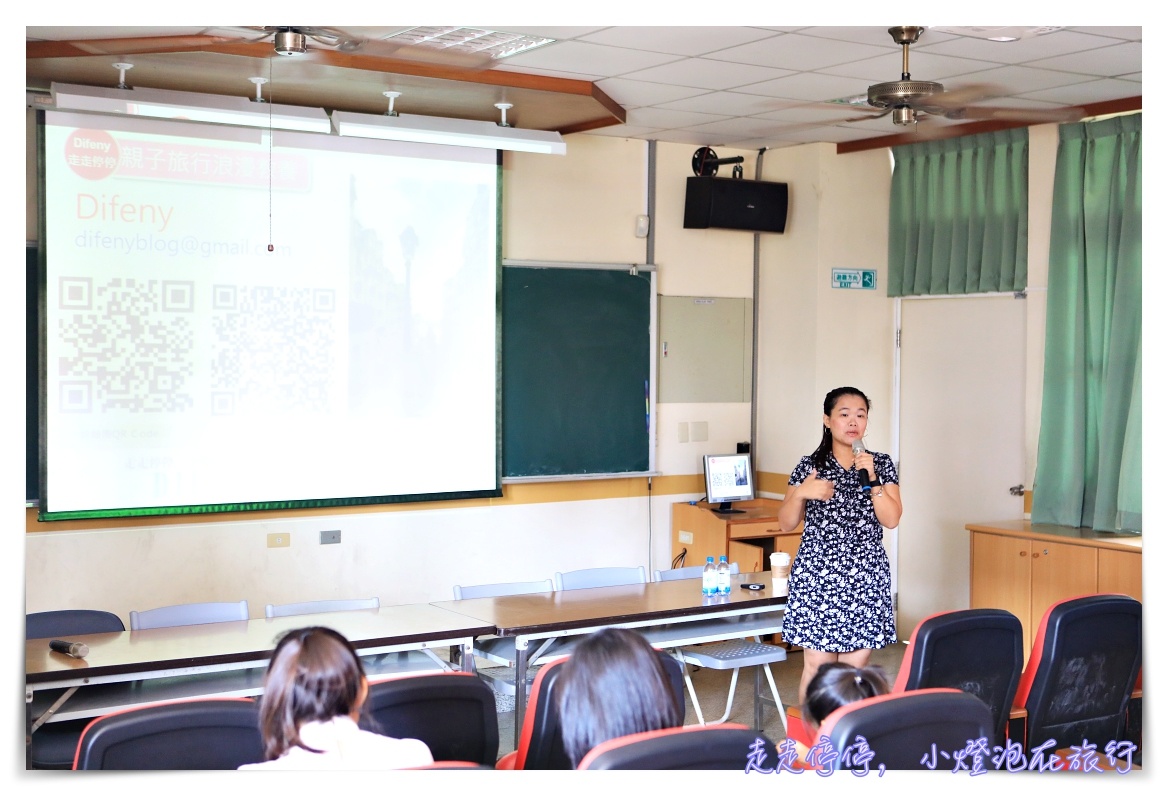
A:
(1024, 568)
(746, 538)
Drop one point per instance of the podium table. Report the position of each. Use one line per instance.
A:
(746, 538)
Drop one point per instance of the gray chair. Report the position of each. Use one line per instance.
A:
(53, 745)
(502, 650)
(320, 606)
(599, 577)
(185, 615)
(727, 655)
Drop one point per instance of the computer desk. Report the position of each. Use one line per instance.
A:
(137, 668)
(668, 614)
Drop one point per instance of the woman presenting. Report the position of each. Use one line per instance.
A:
(839, 607)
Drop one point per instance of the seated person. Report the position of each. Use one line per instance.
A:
(313, 692)
(613, 684)
(834, 685)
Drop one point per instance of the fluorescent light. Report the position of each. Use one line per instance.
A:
(189, 106)
(450, 132)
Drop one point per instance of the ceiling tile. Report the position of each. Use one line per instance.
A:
(638, 93)
(809, 86)
(797, 52)
(1118, 59)
(1088, 92)
(652, 117)
(1047, 45)
(704, 73)
(586, 58)
(729, 103)
(693, 40)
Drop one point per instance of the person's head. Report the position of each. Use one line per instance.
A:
(314, 675)
(613, 684)
(836, 684)
(844, 420)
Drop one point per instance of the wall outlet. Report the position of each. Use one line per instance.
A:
(685, 537)
(329, 536)
(279, 540)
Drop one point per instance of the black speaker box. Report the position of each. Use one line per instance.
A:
(721, 203)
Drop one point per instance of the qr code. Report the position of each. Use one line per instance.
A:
(126, 345)
(273, 348)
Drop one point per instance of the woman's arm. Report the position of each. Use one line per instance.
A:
(888, 507)
(793, 510)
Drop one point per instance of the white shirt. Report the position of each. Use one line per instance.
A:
(346, 746)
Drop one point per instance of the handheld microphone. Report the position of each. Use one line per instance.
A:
(864, 479)
(77, 650)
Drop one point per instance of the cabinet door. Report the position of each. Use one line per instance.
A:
(1060, 571)
(1120, 572)
(748, 557)
(1001, 576)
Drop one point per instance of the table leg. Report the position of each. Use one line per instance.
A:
(520, 686)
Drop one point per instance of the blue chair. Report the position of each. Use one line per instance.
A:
(188, 614)
(599, 577)
(53, 745)
(502, 650)
(320, 606)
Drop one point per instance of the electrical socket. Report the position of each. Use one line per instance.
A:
(279, 540)
(329, 536)
(685, 537)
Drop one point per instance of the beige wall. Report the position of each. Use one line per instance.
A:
(578, 208)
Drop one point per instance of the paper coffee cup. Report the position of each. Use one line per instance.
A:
(781, 586)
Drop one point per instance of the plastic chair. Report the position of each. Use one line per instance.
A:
(452, 713)
(599, 577)
(188, 614)
(540, 745)
(727, 655)
(1086, 658)
(724, 747)
(502, 650)
(979, 651)
(209, 734)
(904, 730)
(320, 606)
(53, 745)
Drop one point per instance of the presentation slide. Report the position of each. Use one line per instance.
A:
(238, 317)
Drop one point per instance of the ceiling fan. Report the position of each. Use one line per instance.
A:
(910, 101)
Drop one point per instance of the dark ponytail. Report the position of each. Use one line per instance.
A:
(821, 457)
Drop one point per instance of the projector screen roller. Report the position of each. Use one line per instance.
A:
(190, 368)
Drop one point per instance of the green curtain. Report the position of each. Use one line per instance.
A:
(1089, 455)
(959, 215)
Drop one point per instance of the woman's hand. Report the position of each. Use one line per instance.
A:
(814, 488)
(793, 509)
(865, 460)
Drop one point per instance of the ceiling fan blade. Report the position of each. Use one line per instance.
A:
(1027, 115)
(959, 97)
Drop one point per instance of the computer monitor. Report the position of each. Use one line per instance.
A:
(728, 479)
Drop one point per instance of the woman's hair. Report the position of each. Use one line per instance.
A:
(613, 684)
(836, 684)
(314, 675)
(822, 454)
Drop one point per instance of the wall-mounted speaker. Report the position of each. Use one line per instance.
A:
(721, 203)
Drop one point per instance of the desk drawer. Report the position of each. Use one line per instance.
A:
(754, 529)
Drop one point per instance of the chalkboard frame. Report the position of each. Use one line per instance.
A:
(526, 462)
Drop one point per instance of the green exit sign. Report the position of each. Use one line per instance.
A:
(852, 279)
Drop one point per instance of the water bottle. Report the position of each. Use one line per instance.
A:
(723, 581)
(709, 578)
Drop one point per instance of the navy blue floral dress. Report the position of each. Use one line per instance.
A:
(840, 583)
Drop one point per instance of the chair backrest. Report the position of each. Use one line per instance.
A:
(1086, 657)
(63, 623)
(452, 713)
(686, 573)
(903, 729)
(540, 745)
(599, 577)
(209, 734)
(978, 651)
(185, 615)
(501, 589)
(725, 746)
(320, 606)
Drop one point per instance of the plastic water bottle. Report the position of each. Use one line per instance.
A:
(709, 578)
(723, 581)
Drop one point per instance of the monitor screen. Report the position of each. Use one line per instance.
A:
(728, 478)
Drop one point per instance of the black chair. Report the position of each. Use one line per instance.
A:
(724, 746)
(452, 713)
(1086, 658)
(54, 745)
(209, 734)
(903, 731)
(978, 651)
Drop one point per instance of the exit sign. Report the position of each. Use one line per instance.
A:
(852, 279)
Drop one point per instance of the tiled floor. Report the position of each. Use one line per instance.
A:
(713, 686)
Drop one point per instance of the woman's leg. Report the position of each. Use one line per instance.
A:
(858, 658)
(811, 660)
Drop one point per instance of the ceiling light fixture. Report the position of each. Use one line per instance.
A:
(450, 132)
(189, 106)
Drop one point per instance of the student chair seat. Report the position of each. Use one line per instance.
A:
(453, 713)
(188, 614)
(727, 746)
(320, 606)
(1086, 658)
(208, 734)
(904, 731)
(53, 745)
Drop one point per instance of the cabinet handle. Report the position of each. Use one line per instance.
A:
(1023, 553)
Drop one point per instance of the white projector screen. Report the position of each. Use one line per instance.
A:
(190, 369)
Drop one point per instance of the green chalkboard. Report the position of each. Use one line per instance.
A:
(575, 371)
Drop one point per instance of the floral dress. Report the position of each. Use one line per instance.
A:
(840, 583)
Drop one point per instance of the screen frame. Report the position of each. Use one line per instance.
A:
(724, 500)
